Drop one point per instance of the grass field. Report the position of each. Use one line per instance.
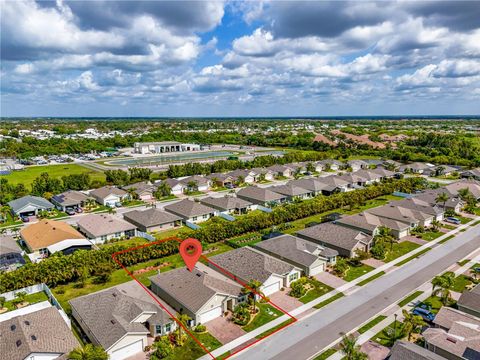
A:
(399, 249)
(29, 174)
(267, 313)
(410, 298)
(354, 272)
(371, 278)
(191, 350)
(371, 324)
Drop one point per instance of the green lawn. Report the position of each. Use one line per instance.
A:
(431, 235)
(464, 220)
(266, 314)
(191, 350)
(354, 272)
(446, 239)
(275, 328)
(9, 220)
(372, 323)
(410, 298)
(31, 299)
(399, 249)
(382, 337)
(461, 282)
(371, 278)
(245, 240)
(434, 303)
(136, 241)
(29, 174)
(329, 300)
(318, 290)
(449, 227)
(463, 262)
(326, 354)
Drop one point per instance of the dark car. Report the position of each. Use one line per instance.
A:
(78, 210)
(25, 218)
(425, 314)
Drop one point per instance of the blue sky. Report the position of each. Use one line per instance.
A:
(232, 58)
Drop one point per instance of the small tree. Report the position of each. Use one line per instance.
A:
(163, 348)
(442, 198)
(241, 314)
(88, 352)
(441, 286)
(20, 297)
(2, 302)
(350, 349)
(341, 266)
(183, 319)
(298, 288)
(251, 290)
(411, 323)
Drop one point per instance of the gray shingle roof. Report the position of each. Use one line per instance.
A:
(42, 331)
(249, 264)
(400, 213)
(70, 197)
(103, 224)
(290, 190)
(36, 201)
(290, 247)
(470, 299)
(370, 222)
(199, 180)
(259, 194)
(404, 350)
(336, 235)
(108, 315)
(151, 217)
(105, 191)
(8, 245)
(309, 184)
(225, 202)
(188, 208)
(194, 289)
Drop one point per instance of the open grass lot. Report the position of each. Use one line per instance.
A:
(245, 240)
(382, 337)
(29, 174)
(461, 282)
(318, 290)
(399, 249)
(31, 299)
(63, 293)
(464, 220)
(372, 323)
(431, 235)
(354, 272)
(136, 241)
(191, 350)
(266, 314)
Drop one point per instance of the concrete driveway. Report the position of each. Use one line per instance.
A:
(284, 301)
(330, 279)
(224, 330)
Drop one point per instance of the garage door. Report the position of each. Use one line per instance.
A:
(210, 315)
(272, 288)
(317, 270)
(127, 351)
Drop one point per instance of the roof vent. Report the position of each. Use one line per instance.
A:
(54, 228)
(112, 321)
(18, 343)
(27, 322)
(34, 337)
(13, 327)
(114, 295)
(198, 274)
(451, 339)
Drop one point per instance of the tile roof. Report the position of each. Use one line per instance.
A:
(404, 350)
(103, 224)
(188, 208)
(290, 247)
(105, 191)
(194, 289)
(259, 194)
(336, 235)
(225, 202)
(42, 331)
(109, 315)
(70, 197)
(48, 232)
(37, 201)
(151, 217)
(249, 264)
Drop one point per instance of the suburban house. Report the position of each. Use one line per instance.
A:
(367, 177)
(343, 239)
(472, 185)
(292, 192)
(410, 216)
(280, 171)
(29, 205)
(405, 350)
(143, 190)
(318, 166)
(425, 203)
(222, 180)
(228, 204)
(370, 224)
(473, 174)
(315, 186)
(333, 184)
(196, 183)
(248, 264)
(469, 301)
(248, 176)
(152, 220)
(384, 173)
(70, 199)
(11, 255)
(310, 257)
(297, 168)
(331, 164)
(440, 170)
(261, 196)
(416, 168)
(119, 323)
(455, 335)
(103, 227)
(268, 174)
(37, 335)
(176, 187)
(356, 165)
(191, 211)
(109, 195)
(203, 293)
(49, 236)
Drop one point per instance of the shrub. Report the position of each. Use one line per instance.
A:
(378, 251)
(298, 288)
(340, 266)
(200, 328)
(241, 314)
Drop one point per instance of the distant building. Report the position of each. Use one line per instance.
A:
(29, 205)
(163, 147)
(10, 253)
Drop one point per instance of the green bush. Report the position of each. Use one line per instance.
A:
(298, 287)
(378, 251)
(200, 328)
(241, 314)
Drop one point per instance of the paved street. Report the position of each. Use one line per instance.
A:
(304, 339)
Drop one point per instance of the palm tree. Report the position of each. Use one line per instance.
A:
(350, 349)
(251, 290)
(385, 235)
(435, 225)
(441, 286)
(132, 193)
(411, 323)
(192, 186)
(183, 319)
(88, 352)
(442, 198)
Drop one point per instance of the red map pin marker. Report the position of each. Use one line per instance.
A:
(190, 249)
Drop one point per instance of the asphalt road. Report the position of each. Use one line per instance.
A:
(307, 337)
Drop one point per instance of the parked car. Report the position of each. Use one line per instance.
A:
(70, 212)
(25, 218)
(118, 204)
(78, 210)
(424, 313)
(453, 220)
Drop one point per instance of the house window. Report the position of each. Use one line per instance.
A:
(158, 329)
(205, 216)
(118, 234)
(103, 238)
(194, 218)
(43, 251)
(168, 328)
(293, 277)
